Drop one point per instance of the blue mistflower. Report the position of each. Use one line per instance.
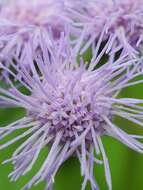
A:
(121, 20)
(70, 106)
(21, 22)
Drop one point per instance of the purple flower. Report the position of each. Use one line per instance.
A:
(21, 22)
(121, 20)
(69, 106)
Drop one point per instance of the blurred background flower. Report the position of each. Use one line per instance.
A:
(22, 22)
(119, 20)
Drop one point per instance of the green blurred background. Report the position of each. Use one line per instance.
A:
(126, 165)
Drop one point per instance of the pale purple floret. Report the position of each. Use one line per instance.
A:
(121, 20)
(70, 107)
(21, 21)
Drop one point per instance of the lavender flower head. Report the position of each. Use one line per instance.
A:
(121, 20)
(70, 106)
(21, 22)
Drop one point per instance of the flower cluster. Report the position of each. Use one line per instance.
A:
(70, 103)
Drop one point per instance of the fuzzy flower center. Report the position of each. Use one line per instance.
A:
(69, 108)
